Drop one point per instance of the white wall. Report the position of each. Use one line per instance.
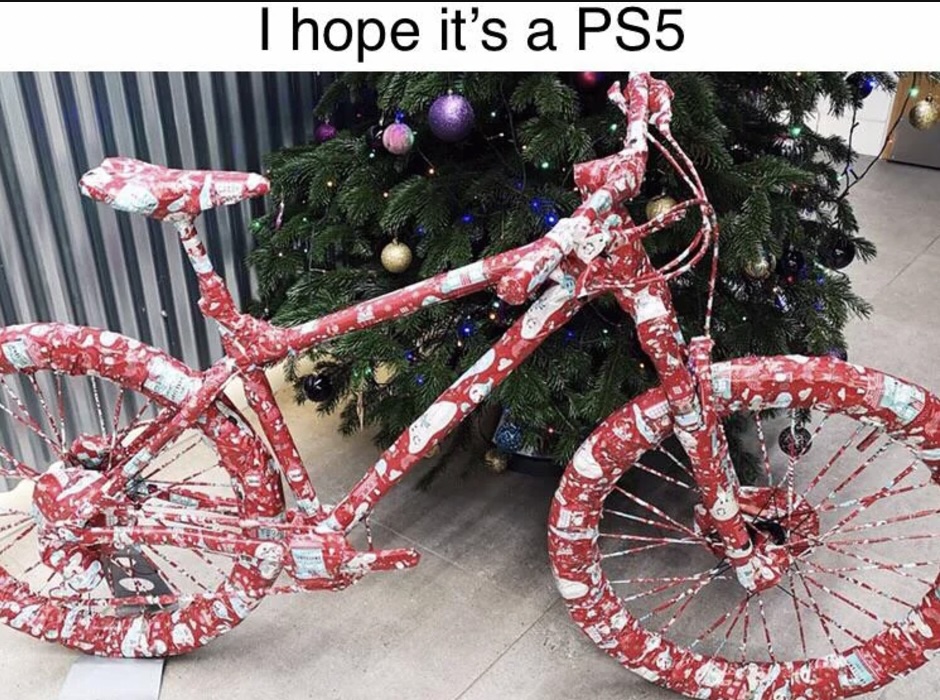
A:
(872, 122)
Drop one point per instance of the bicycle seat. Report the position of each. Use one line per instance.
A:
(163, 193)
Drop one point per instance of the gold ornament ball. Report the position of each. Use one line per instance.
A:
(924, 114)
(659, 206)
(761, 267)
(496, 461)
(396, 257)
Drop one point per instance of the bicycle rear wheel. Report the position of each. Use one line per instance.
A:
(857, 516)
(72, 397)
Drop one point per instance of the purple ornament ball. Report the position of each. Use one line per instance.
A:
(325, 132)
(398, 138)
(451, 117)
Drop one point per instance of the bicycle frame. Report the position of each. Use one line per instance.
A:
(251, 344)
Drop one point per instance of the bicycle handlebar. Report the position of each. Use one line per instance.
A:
(609, 180)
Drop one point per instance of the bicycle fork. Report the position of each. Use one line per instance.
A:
(684, 371)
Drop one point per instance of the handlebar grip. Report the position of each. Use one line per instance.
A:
(530, 272)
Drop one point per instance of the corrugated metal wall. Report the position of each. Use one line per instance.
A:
(66, 258)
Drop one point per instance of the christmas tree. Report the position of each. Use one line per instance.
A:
(415, 173)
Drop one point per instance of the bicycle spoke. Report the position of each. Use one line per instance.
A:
(832, 460)
(41, 397)
(882, 540)
(872, 564)
(647, 538)
(13, 526)
(663, 476)
(98, 409)
(16, 468)
(60, 406)
(676, 525)
(703, 578)
(824, 620)
(646, 521)
(22, 416)
(643, 548)
(717, 623)
(742, 649)
(682, 608)
(176, 566)
(17, 539)
(860, 584)
(796, 609)
(669, 582)
(176, 458)
(116, 417)
(761, 440)
(855, 474)
(763, 619)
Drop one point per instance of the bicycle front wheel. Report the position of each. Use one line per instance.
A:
(70, 399)
(847, 497)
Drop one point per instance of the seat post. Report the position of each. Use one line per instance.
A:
(215, 301)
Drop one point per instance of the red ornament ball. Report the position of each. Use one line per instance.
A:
(398, 138)
(588, 80)
(325, 132)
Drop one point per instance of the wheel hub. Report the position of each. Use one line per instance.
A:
(68, 496)
(782, 526)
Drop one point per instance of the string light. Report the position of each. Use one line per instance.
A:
(914, 91)
(551, 218)
(466, 328)
(431, 171)
(545, 165)
(411, 355)
(613, 127)
(399, 116)
(493, 114)
(371, 154)
(570, 334)
(385, 194)
(329, 183)
(419, 380)
(796, 130)
(493, 315)
(467, 218)
(551, 430)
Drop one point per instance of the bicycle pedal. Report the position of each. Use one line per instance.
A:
(381, 560)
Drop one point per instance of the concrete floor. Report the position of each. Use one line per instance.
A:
(480, 619)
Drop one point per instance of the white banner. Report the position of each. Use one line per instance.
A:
(460, 36)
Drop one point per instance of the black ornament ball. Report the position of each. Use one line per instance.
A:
(319, 387)
(792, 266)
(795, 441)
(838, 253)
